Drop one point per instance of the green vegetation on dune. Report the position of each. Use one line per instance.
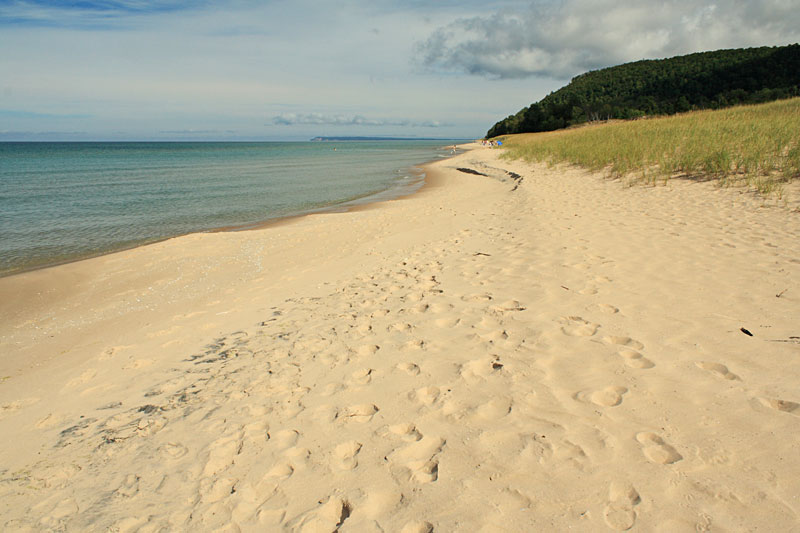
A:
(706, 80)
(755, 144)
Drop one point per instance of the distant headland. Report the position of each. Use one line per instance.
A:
(324, 139)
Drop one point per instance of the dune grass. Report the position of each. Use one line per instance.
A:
(757, 145)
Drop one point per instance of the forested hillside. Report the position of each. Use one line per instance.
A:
(706, 80)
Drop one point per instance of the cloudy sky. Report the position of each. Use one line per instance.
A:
(294, 69)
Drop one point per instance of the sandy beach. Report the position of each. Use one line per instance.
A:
(531, 349)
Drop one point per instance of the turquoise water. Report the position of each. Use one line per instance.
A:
(65, 201)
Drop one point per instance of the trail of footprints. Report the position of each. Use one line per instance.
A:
(214, 389)
(239, 467)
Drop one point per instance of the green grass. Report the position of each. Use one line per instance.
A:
(757, 145)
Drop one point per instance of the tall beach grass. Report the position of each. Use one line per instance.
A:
(758, 145)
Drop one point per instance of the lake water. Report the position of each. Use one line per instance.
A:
(65, 201)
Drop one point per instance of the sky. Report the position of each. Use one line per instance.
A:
(296, 69)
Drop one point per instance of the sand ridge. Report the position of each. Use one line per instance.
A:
(519, 349)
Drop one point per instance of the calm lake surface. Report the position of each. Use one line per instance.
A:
(65, 201)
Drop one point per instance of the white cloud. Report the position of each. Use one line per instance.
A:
(562, 39)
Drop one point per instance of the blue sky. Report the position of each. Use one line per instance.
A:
(279, 69)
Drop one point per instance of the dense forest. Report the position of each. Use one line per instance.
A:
(706, 80)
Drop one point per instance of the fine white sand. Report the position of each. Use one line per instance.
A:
(553, 353)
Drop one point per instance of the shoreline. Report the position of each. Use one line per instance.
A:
(394, 192)
(559, 350)
(51, 277)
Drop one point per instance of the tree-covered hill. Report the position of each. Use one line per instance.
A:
(706, 80)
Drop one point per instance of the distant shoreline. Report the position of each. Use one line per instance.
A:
(326, 139)
(242, 141)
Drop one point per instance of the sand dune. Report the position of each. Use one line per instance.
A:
(530, 350)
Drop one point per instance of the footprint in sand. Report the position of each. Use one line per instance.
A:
(407, 431)
(414, 344)
(109, 353)
(361, 412)
(429, 285)
(59, 476)
(603, 308)
(400, 327)
(332, 388)
(215, 490)
(418, 461)
(85, 377)
(312, 345)
(363, 376)
(579, 266)
(409, 368)
(657, 450)
(417, 527)
(327, 516)
(363, 328)
(164, 332)
(575, 326)
(785, 406)
(480, 297)
(281, 470)
(173, 450)
(418, 309)
(450, 322)
(507, 306)
(297, 456)
(128, 488)
(138, 363)
(11, 408)
(257, 432)
(480, 369)
(489, 322)
(495, 408)
(623, 341)
(150, 425)
(216, 516)
(346, 455)
(48, 421)
(493, 337)
(438, 308)
(425, 396)
(382, 502)
(102, 387)
(718, 370)
(221, 454)
(619, 513)
(366, 350)
(635, 360)
(607, 397)
(283, 439)
(413, 297)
